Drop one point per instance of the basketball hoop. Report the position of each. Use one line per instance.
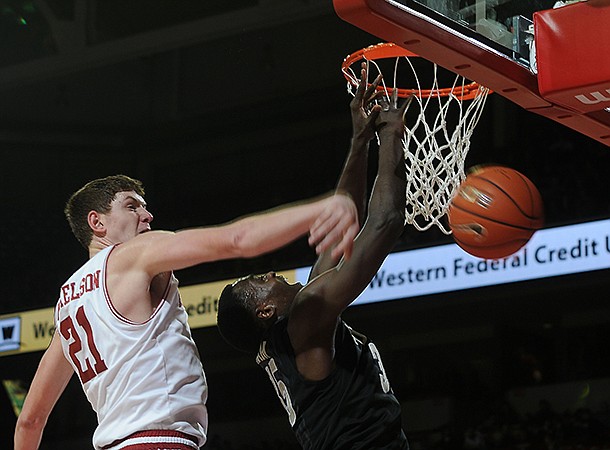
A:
(437, 133)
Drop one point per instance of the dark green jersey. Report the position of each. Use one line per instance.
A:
(353, 408)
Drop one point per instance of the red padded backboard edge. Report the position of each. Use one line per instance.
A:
(467, 57)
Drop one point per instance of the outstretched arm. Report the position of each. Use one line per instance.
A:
(52, 376)
(364, 113)
(331, 220)
(353, 178)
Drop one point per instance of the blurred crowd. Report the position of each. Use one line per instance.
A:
(582, 429)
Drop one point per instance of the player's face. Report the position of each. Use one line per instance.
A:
(127, 218)
(272, 285)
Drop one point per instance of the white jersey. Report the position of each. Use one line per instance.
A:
(137, 376)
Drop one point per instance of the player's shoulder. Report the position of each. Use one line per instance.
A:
(136, 245)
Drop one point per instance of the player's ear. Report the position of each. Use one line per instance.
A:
(95, 222)
(265, 311)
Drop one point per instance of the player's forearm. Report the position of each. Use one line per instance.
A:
(354, 174)
(269, 231)
(389, 191)
(391, 152)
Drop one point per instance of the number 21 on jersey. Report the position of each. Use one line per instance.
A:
(88, 363)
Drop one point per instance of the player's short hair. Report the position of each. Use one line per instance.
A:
(236, 318)
(97, 195)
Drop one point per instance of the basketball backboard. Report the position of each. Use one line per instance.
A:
(489, 41)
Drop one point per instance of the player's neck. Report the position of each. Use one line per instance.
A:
(97, 245)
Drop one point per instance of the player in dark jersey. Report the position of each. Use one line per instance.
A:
(329, 378)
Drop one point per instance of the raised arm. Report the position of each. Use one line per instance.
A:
(353, 178)
(364, 112)
(317, 306)
(384, 223)
(50, 380)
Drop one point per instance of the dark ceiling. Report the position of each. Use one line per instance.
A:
(221, 108)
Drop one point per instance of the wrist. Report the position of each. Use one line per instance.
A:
(362, 136)
(389, 130)
(342, 192)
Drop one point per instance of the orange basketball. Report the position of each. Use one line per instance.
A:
(495, 211)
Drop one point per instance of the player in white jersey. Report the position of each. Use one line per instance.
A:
(157, 379)
(120, 324)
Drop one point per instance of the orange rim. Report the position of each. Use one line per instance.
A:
(390, 50)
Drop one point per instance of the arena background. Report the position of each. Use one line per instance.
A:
(225, 108)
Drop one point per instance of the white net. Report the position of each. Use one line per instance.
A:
(438, 125)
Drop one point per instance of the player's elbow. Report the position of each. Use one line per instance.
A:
(29, 424)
